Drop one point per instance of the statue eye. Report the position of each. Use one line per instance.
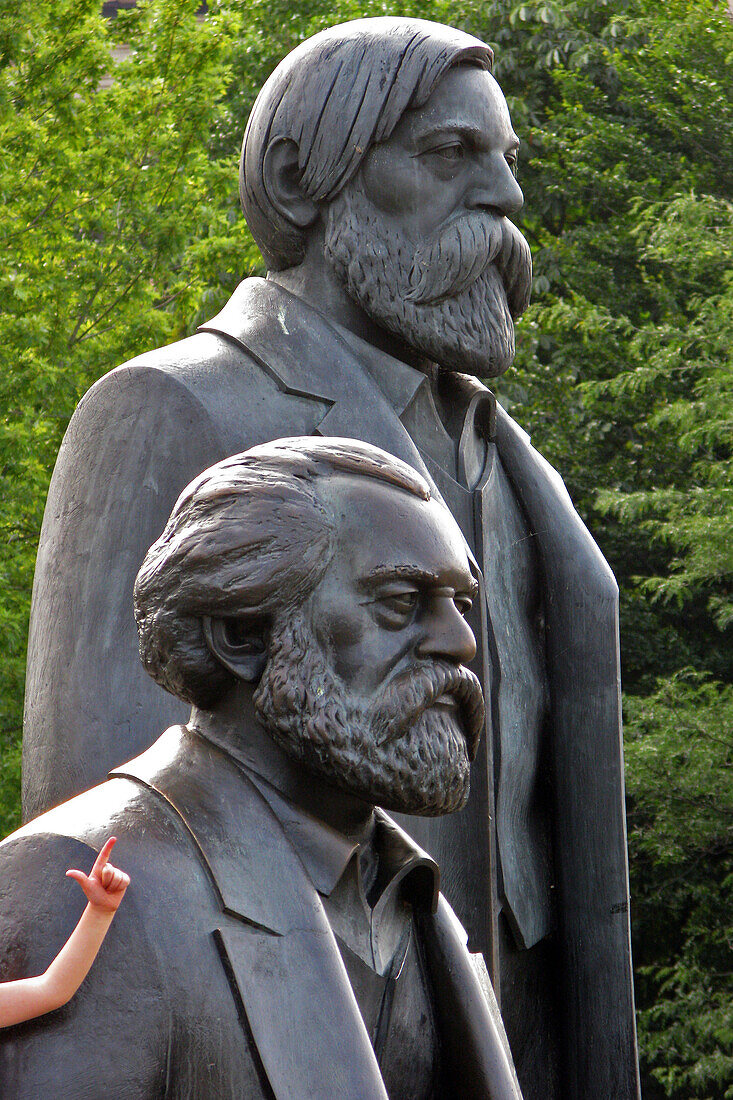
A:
(513, 161)
(453, 151)
(464, 604)
(395, 608)
(400, 603)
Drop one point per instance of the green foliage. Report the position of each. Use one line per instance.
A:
(121, 229)
(690, 240)
(679, 752)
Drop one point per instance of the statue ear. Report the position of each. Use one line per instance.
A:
(241, 650)
(281, 177)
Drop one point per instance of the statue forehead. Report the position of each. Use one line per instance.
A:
(466, 98)
(380, 525)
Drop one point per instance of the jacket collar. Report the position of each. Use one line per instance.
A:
(297, 347)
(398, 381)
(325, 852)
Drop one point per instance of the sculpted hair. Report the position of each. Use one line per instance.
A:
(335, 96)
(248, 539)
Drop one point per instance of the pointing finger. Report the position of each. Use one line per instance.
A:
(103, 856)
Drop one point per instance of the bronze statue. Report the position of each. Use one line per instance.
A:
(282, 937)
(378, 178)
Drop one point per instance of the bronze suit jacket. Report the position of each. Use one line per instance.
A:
(266, 367)
(220, 978)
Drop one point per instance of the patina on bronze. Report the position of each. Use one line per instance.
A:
(378, 180)
(284, 937)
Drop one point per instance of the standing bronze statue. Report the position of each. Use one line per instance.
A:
(283, 937)
(378, 179)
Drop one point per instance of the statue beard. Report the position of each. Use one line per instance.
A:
(397, 752)
(453, 296)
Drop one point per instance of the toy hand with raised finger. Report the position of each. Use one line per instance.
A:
(105, 885)
(104, 888)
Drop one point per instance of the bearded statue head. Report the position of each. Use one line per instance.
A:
(319, 579)
(386, 146)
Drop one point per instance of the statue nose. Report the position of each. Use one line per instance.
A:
(447, 634)
(496, 189)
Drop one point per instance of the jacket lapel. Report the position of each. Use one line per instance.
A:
(474, 1043)
(587, 778)
(296, 346)
(274, 937)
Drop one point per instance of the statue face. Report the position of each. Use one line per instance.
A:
(396, 591)
(421, 236)
(367, 684)
(455, 154)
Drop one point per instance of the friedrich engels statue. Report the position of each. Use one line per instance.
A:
(378, 179)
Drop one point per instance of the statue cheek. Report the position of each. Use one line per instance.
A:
(394, 184)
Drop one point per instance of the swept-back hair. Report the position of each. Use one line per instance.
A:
(249, 538)
(335, 96)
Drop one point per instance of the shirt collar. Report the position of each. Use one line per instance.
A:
(325, 852)
(400, 384)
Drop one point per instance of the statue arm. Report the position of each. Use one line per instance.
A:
(594, 939)
(138, 437)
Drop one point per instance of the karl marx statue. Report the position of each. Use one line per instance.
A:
(283, 938)
(378, 179)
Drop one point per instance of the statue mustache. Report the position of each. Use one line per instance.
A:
(410, 694)
(453, 258)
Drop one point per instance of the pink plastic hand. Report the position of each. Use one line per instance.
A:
(105, 885)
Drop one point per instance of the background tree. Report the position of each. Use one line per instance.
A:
(121, 231)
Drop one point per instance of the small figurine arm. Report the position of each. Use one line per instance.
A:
(26, 998)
